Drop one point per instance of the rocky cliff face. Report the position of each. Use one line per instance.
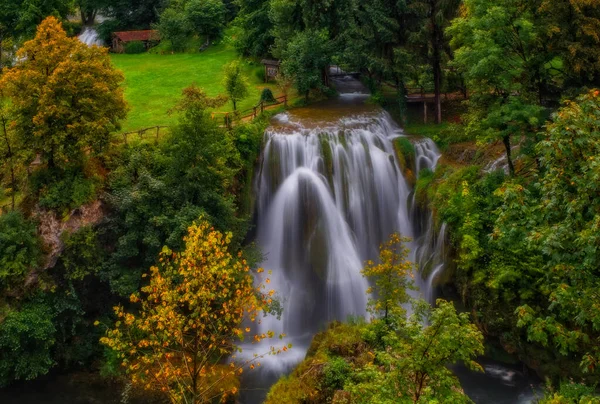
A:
(52, 228)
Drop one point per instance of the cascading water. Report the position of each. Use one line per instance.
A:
(328, 197)
(330, 191)
(90, 37)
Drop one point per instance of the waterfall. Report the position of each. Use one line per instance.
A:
(90, 37)
(329, 192)
(429, 250)
(328, 197)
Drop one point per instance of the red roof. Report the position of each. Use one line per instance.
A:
(128, 36)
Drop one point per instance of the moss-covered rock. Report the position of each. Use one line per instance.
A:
(331, 358)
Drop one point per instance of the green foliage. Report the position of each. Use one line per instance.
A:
(255, 37)
(305, 58)
(335, 374)
(413, 366)
(63, 189)
(390, 276)
(405, 151)
(20, 249)
(235, 82)
(563, 220)
(206, 17)
(135, 47)
(267, 96)
(570, 392)
(174, 27)
(82, 255)
(26, 340)
(499, 52)
(157, 191)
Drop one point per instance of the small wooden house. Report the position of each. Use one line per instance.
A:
(271, 68)
(120, 39)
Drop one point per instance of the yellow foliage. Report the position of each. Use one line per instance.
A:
(190, 313)
(66, 96)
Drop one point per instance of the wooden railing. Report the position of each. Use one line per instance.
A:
(151, 132)
(230, 118)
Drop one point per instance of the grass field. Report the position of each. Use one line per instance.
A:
(153, 82)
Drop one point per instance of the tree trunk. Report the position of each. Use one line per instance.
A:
(234, 104)
(13, 179)
(511, 167)
(436, 62)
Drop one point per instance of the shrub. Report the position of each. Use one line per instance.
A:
(335, 374)
(135, 47)
(26, 341)
(267, 96)
(61, 190)
(20, 248)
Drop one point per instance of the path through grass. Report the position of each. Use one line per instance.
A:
(153, 83)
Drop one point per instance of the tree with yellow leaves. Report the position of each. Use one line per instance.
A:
(66, 96)
(391, 278)
(190, 315)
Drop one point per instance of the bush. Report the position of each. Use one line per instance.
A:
(267, 96)
(61, 190)
(335, 374)
(26, 341)
(20, 248)
(135, 47)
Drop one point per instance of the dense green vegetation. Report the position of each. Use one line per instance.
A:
(84, 219)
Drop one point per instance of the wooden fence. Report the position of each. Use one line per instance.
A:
(231, 118)
(151, 132)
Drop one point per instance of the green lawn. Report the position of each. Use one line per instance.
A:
(153, 82)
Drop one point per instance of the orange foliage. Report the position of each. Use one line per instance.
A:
(190, 313)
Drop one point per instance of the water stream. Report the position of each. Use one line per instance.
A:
(329, 192)
(90, 36)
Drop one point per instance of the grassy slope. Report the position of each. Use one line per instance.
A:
(153, 82)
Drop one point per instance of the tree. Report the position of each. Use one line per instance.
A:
(207, 17)
(496, 47)
(190, 314)
(256, 37)
(133, 14)
(562, 227)
(175, 27)
(435, 16)
(20, 249)
(391, 278)
(413, 366)
(305, 59)
(157, 191)
(235, 82)
(66, 96)
(9, 150)
(570, 29)
(88, 10)
(26, 341)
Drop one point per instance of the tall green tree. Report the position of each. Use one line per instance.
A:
(175, 27)
(436, 16)
(306, 59)
(255, 37)
(562, 227)
(207, 17)
(496, 46)
(235, 82)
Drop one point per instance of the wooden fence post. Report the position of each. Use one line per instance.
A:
(262, 107)
(157, 133)
(424, 111)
